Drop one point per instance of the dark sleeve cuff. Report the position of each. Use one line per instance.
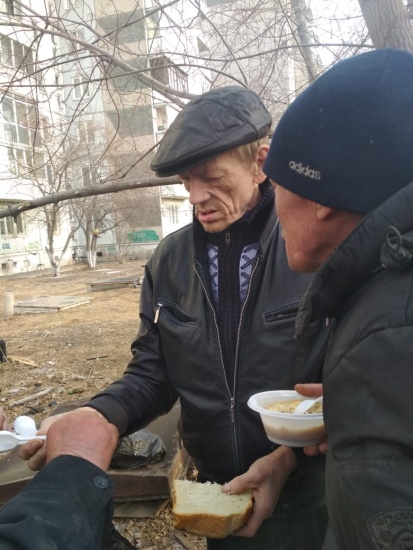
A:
(67, 506)
(111, 410)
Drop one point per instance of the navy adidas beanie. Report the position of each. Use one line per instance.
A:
(209, 125)
(347, 140)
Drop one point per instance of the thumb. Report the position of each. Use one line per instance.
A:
(309, 390)
(237, 485)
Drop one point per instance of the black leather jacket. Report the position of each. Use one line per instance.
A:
(177, 353)
(366, 290)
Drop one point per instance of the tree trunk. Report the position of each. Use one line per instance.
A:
(54, 264)
(302, 20)
(91, 252)
(91, 259)
(388, 23)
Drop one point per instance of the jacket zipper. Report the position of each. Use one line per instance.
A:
(236, 364)
(232, 410)
(231, 394)
(217, 330)
(157, 312)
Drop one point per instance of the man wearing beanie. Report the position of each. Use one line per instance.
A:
(342, 163)
(217, 312)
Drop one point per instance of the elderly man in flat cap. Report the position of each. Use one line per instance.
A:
(217, 313)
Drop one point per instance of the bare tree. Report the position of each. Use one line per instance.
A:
(88, 89)
(389, 23)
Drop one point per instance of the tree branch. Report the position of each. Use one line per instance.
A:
(53, 198)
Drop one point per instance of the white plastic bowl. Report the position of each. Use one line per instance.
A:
(293, 430)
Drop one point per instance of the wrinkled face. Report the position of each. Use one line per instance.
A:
(222, 190)
(299, 230)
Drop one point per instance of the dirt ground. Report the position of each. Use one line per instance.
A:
(71, 354)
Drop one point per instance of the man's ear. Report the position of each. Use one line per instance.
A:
(262, 153)
(323, 212)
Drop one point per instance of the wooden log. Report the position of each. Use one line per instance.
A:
(30, 397)
(21, 360)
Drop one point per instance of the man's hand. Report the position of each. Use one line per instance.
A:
(266, 479)
(313, 390)
(4, 425)
(75, 429)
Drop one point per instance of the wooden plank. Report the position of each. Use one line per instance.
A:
(45, 304)
(112, 284)
(139, 509)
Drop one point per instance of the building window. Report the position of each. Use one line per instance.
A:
(16, 55)
(6, 51)
(164, 70)
(7, 6)
(59, 101)
(86, 176)
(9, 226)
(89, 176)
(80, 87)
(86, 131)
(173, 213)
(19, 121)
(80, 34)
(161, 119)
(72, 4)
(152, 26)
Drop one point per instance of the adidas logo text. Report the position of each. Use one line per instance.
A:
(304, 170)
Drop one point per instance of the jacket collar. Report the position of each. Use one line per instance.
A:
(355, 259)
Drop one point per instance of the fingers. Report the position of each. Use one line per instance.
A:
(321, 448)
(34, 452)
(238, 485)
(4, 425)
(309, 390)
(251, 527)
(264, 501)
(312, 451)
(47, 422)
(265, 478)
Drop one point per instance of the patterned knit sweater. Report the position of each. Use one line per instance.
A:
(231, 257)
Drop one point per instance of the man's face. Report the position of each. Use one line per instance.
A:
(300, 230)
(223, 189)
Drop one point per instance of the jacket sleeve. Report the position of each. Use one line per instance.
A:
(66, 506)
(369, 412)
(144, 392)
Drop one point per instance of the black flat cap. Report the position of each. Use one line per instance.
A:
(209, 125)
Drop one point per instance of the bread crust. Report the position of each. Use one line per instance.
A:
(209, 524)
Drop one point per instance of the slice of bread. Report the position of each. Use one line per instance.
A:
(204, 510)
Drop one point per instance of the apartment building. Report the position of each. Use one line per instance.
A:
(86, 100)
(30, 118)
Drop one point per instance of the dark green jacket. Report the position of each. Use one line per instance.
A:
(66, 506)
(366, 290)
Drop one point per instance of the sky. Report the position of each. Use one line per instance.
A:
(336, 21)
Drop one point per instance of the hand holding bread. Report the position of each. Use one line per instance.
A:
(266, 478)
(209, 509)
